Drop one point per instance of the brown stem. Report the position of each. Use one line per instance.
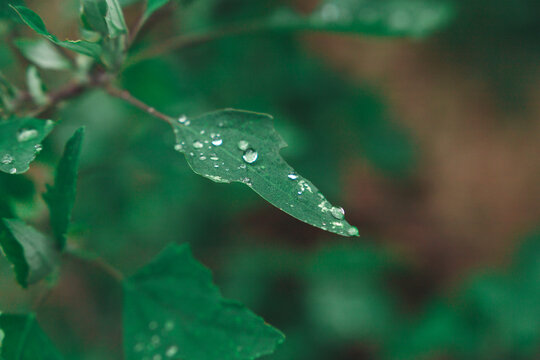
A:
(126, 96)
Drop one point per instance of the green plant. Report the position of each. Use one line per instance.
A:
(171, 308)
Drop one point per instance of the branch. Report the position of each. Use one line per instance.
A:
(184, 41)
(126, 96)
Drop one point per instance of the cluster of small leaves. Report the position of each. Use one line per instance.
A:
(171, 308)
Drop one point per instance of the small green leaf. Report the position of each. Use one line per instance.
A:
(35, 86)
(20, 141)
(32, 254)
(115, 19)
(93, 14)
(173, 310)
(42, 53)
(35, 23)
(414, 18)
(240, 146)
(152, 6)
(61, 197)
(23, 339)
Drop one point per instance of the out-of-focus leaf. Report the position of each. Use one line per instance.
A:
(93, 13)
(20, 141)
(152, 6)
(372, 17)
(35, 23)
(240, 146)
(173, 310)
(61, 197)
(6, 12)
(115, 19)
(42, 53)
(23, 339)
(35, 86)
(33, 255)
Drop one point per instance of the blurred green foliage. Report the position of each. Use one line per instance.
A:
(333, 299)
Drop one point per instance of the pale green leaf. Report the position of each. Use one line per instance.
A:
(24, 339)
(93, 13)
(43, 53)
(33, 255)
(173, 310)
(115, 19)
(35, 86)
(20, 141)
(240, 146)
(35, 23)
(61, 197)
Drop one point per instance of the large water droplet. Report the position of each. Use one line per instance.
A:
(7, 159)
(171, 351)
(250, 156)
(197, 144)
(216, 140)
(26, 134)
(243, 145)
(337, 212)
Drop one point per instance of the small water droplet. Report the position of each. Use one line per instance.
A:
(178, 147)
(7, 159)
(243, 145)
(214, 158)
(337, 212)
(352, 231)
(182, 119)
(197, 144)
(247, 181)
(38, 148)
(12, 171)
(171, 351)
(26, 134)
(242, 166)
(292, 176)
(217, 140)
(169, 325)
(216, 166)
(250, 156)
(202, 157)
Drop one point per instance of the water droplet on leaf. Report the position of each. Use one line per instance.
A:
(337, 212)
(171, 351)
(26, 134)
(7, 159)
(243, 145)
(197, 144)
(292, 176)
(250, 156)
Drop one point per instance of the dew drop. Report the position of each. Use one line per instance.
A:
(171, 351)
(178, 147)
(182, 119)
(202, 158)
(197, 144)
(250, 156)
(12, 171)
(38, 148)
(217, 140)
(243, 145)
(292, 176)
(7, 159)
(352, 231)
(337, 212)
(26, 134)
(214, 158)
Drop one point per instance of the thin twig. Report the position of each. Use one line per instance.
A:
(184, 41)
(126, 96)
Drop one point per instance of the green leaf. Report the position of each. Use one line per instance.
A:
(414, 18)
(35, 23)
(6, 12)
(32, 254)
(240, 146)
(20, 141)
(35, 86)
(61, 197)
(42, 53)
(152, 6)
(115, 19)
(172, 309)
(24, 339)
(93, 14)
